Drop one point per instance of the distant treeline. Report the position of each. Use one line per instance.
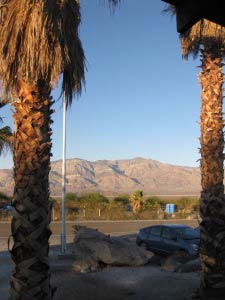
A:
(92, 206)
(134, 206)
(4, 200)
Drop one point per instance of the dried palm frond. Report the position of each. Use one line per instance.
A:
(114, 2)
(39, 41)
(170, 9)
(6, 136)
(3, 102)
(204, 34)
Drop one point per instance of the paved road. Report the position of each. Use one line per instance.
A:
(109, 227)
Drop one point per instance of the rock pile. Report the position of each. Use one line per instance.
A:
(178, 262)
(93, 249)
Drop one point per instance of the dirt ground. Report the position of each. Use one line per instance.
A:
(140, 283)
(112, 283)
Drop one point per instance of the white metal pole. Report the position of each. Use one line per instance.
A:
(63, 232)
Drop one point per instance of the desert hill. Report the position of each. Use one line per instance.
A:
(118, 176)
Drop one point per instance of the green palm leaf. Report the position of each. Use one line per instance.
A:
(5, 139)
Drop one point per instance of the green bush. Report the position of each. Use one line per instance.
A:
(72, 201)
(123, 200)
(93, 201)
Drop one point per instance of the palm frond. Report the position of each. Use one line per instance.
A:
(3, 102)
(39, 40)
(170, 10)
(203, 34)
(6, 139)
(114, 2)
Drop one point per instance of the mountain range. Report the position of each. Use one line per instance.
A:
(113, 177)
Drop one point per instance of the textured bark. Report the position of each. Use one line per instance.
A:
(31, 206)
(212, 207)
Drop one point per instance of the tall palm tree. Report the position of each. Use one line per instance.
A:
(208, 39)
(38, 42)
(6, 137)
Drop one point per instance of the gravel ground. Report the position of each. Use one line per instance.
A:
(114, 283)
(111, 283)
(141, 283)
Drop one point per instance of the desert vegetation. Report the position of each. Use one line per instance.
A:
(94, 206)
(6, 137)
(4, 200)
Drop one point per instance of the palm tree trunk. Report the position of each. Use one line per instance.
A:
(212, 206)
(31, 206)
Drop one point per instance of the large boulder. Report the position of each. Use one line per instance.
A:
(180, 262)
(93, 249)
(193, 265)
(174, 261)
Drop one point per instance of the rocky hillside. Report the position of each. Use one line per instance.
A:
(118, 176)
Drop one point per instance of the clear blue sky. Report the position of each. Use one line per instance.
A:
(141, 99)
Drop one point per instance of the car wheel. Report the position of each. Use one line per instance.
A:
(143, 246)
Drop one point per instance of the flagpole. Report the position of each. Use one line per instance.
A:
(63, 229)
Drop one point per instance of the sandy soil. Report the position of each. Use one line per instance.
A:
(112, 283)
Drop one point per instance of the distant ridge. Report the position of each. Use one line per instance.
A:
(118, 176)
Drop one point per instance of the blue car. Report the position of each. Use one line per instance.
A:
(168, 239)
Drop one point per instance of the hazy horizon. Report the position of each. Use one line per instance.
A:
(116, 159)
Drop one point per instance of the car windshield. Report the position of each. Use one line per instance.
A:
(187, 233)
